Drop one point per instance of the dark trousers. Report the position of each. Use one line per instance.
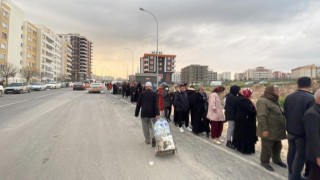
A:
(207, 125)
(314, 171)
(296, 156)
(216, 129)
(167, 112)
(175, 116)
(270, 149)
(183, 116)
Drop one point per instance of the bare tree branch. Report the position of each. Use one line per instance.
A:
(28, 72)
(8, 70)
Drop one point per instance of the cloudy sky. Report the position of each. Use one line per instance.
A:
(225, 35)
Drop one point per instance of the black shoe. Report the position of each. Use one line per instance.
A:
(268, 167)
(153, 142)
(281, 164)
(230, 145)
(207, 134)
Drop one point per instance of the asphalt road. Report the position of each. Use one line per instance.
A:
(72, 135)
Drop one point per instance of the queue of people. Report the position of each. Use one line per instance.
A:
(298, 121)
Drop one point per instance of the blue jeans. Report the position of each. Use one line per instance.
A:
(296, 156)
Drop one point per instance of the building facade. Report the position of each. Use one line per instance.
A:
(81, 56)
(4, 30)
(212, 76)
(259, 73)
(239, 76)
(311, 71)
(279, 75)
(29, 55)
(49, 54)
(194, 74)
(66, 61)
(166, 65)
(176, 77)
(225, 76)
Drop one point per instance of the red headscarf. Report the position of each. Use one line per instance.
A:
(247, 92)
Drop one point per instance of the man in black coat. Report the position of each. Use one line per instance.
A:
(295, 105)
(311, 122)
(148, 102)
(230, 112)
(181, 103)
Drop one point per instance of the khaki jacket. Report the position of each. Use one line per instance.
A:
(270, 118)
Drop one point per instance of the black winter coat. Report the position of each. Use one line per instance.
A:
(231, 103)
(148, 102)
(181, 101)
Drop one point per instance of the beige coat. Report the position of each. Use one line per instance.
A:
(215, 108)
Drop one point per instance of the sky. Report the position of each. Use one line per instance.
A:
(225, 35)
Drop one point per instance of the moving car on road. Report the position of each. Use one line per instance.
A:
(1, 90)
(18, 88)
(95, 87)
(53, 85)
(79, 86)
(38, 86)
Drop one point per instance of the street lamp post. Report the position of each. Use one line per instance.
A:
(141, 9)
(132, 58)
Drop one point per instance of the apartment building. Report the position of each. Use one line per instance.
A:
(4, 30)
(212, 76)
(259, 73)
(311, 71)
(49, 54)
(29, 55)
(166, 65)
(67, 61)
(239, 76)
(279, 75)
(225, 76)
(194, 74)
(81, 56)
(176, 77)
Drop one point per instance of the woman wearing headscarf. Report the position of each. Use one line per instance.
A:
(138, 91)
(215, 114)
(271, 127)
(244, 137)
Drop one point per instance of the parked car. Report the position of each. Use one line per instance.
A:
(70, 84)
(79, 86)
(38, 86)
(87, 84)
(53, 85)
(95, 87)
(63, 84)
(1, 90)
(18, 88)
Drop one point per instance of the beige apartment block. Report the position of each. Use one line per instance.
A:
(29, 55)
(67, 60)
(311, 71)
(4, 30)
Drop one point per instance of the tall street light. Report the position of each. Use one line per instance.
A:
(141, 9)
(132, 58)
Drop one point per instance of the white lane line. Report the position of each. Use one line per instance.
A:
(14, 103)
(44, 96)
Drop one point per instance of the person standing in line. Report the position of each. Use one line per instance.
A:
(230, 112)
(148, 102)
(132, 91)
(124, 89)
(175, 113)
(215, 114)
(271, 127)
(181, 102)
(160, 100)
(138, 91)
(191, 92)
(295, 105)
(128, 90)
(167, 103)
(245, 132)
(311, 121)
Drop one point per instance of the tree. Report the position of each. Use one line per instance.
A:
(28, 72)
(8, 70)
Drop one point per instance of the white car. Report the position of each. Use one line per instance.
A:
(17, 88)
(53, 85)
(1, 90)
(38, 86)
(95, 87)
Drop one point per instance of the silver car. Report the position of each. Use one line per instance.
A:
(17, 88)
(38, 86)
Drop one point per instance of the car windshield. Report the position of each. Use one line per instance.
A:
(36, 83)
(15, 84)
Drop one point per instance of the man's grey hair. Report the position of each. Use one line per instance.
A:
(317, 93)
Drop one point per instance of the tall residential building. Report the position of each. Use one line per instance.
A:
(239, 76)
(29, 55)
(225, 76)
(81, 56)
(166, 65)
(259, 73)
(176, 77)
(12, 34)
(66, 60)
(212, 76)
(194, 74)
(4, 30)
(49, 54)
(279, 75)
(311, 71)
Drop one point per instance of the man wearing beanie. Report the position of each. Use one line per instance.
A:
(271, 128)
(295, 105)
(148, 102)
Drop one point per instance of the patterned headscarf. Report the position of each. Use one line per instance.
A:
(247, 92)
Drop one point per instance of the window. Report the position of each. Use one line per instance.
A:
(3, 46)
(29, 39)
(4, 35)
(2, 56)
(29, 55)
(5, 14)
(4, 25)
